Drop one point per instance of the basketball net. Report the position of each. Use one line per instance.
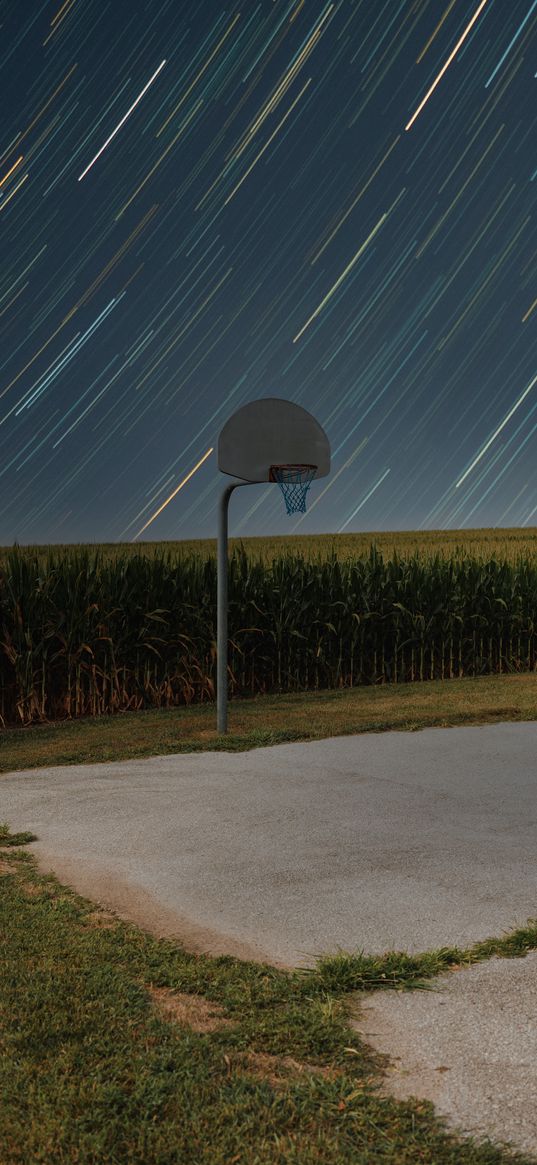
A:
(294, 482)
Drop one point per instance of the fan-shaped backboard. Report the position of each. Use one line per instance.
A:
(271, 431)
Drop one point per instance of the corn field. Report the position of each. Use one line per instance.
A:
(483, 544)
(85, 634)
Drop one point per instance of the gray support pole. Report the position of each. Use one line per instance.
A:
(221, 607)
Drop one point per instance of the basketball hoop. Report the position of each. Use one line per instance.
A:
(248, 445)
(294, 482)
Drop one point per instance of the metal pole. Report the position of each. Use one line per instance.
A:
(221, 607)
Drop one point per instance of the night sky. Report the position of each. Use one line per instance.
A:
(203, 205)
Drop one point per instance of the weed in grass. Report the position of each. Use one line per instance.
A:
(346, 972)
(8, 838)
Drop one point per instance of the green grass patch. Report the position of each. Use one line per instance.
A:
(94, 1072)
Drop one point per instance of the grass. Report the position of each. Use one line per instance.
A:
(103, 1057)
(270, 720)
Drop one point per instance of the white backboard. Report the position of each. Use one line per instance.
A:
(271, 431)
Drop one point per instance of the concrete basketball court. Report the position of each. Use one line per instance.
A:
(402, 841)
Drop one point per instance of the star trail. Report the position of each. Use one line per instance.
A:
(328, 202)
